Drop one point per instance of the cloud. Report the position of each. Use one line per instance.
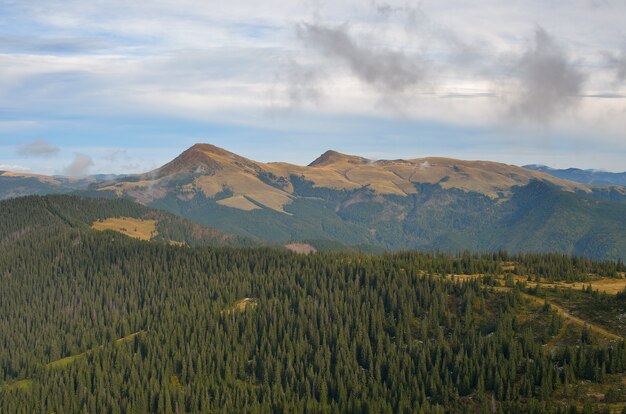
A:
(74, 68)
(617, 63)
(412, 15)
(548, 81)
(80, 166)
(389, 71)
(37, 148)
(297, 85)
(7, 167)
(303, 84)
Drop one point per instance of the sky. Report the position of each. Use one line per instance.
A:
(112, 86)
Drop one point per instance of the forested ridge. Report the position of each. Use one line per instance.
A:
(329, 332)
(49, 214)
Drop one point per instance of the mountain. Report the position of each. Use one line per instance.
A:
(20, 184)
(591, 177)
(17, 184)
(24, 216)
(426, 203)
(341, 200)
(253, 185)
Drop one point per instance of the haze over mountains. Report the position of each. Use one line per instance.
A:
(339, 199)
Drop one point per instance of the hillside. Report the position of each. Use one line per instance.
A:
(343, 201)
(22, 217)
(16, 185)
(590, 177)
(94, 323)
(428, 203)
(210, 170)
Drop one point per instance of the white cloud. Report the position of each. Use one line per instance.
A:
(229, 62)
(9, 167)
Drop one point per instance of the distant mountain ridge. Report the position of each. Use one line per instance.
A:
(212, 169)
(425, 203)
(589, 177)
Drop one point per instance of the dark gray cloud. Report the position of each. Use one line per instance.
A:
(389, 71)
(37, 148)
(617, 63)
(549, 81)
(80, 166)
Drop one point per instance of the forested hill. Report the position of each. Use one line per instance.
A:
(94, 322)
(57, 213)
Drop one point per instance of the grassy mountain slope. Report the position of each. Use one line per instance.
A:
(426, 203)
(429, 203)
(210, 170)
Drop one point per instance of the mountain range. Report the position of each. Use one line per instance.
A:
(343, 200)
(591, 177)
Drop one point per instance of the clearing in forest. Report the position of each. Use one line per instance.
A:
(303, 248)
(63, 362)
(25, 384)
(241, 305)
(131, 227)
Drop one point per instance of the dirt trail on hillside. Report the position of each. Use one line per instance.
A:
(568, 316)
(565, 314)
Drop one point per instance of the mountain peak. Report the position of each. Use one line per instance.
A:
(201, 158)
(333, 157)
(208, 148)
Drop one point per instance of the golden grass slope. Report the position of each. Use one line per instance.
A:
(241, 306)
(42, 178)
(240, 202)
(399, 176)
(610, 286)
(212, 170)
(132, 227)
